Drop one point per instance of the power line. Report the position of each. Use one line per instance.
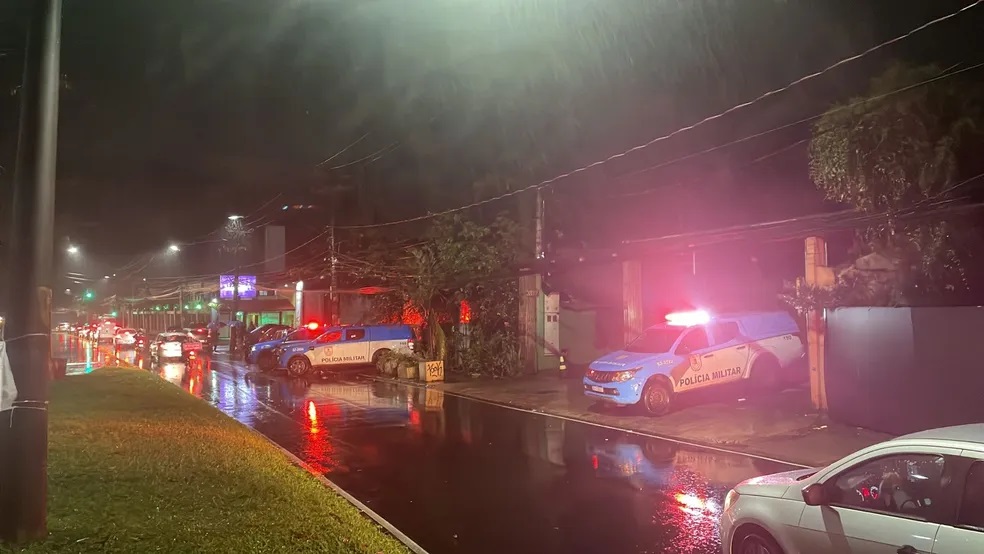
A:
(672, 134)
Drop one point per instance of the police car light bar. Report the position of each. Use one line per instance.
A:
(688, 319)
(313, 325)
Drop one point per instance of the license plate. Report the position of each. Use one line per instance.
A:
(597, 389)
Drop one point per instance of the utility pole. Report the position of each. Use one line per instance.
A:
(817, 274)
(632, 320)
(529, 296)
(181, 302)
(24, 429)
(333, 283)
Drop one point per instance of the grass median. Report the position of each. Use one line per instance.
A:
(137, 465)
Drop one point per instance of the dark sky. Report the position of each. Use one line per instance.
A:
(181, 112)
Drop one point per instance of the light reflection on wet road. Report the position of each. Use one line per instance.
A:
(463, 476)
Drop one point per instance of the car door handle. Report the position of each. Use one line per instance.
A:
(708, 355)
(740, 347)
(906, 549)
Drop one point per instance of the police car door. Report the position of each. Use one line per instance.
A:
(323, 350)
(703, 365)
(355, 346)
(730, 350)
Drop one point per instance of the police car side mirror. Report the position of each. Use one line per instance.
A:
(815, 495)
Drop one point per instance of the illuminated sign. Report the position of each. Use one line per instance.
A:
(227, 284)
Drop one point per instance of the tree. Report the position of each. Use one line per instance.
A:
(458, 260)
(889, 152)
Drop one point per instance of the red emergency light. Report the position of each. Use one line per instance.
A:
(313, 325)
(688, 319)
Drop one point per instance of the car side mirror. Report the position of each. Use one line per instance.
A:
(815, 495)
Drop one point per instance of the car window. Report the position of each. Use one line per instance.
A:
(695, 339)
(724, 332)
(910, 485)
(972, 507)
(330, 336)
(654, 341)
(355, 334)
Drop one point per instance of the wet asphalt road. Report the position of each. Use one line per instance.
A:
(458, 475)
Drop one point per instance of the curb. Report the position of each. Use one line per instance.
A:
(670, 438)
(366, 510)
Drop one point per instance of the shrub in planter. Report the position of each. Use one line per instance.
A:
(398, 364)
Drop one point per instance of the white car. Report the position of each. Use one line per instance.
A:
(920, 493)
(125, 338)
(172, 346)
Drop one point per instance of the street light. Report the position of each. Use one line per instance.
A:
(174, 248)
(235, 217)
(73, 249)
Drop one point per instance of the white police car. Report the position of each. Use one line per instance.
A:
(693, 350)
(341, 346)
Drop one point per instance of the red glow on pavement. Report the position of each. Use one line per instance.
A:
(312, 412)
(594, 461)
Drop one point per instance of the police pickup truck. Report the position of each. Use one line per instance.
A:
(694, 350)
(344, 346)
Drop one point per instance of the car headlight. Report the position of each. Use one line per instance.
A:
(730, 499)
(625, 375)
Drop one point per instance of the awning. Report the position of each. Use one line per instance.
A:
(258, 305)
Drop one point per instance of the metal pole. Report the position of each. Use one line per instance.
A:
(181, 312)
(24, 429)
(332, 295)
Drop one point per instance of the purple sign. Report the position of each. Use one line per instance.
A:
(227, 284)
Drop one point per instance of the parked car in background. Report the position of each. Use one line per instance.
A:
(918, 493)
(262, 353)
(263, 333)
(89, 331)
(693, 350)
(105, 330)
(63, 327)
(125, 338)
(200, 332)
(344, 346)
(174, 346)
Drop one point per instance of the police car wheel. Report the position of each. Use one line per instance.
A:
(298, 366)
(657, 397)
(765, 374)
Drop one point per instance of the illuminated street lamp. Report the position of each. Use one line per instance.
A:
(235, 217)
(174, 248)
(72, 249)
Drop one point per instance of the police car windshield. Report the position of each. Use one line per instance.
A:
(654, 341)
(303, 334)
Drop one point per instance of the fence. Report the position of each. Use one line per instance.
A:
(900, 370)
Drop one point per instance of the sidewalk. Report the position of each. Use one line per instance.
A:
(780, 426)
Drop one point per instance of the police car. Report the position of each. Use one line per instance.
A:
(341, 346)
(263, 353)
(693, 350)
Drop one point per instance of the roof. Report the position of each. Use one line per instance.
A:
(972, 432)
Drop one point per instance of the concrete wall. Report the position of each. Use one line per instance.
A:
(579, 336)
